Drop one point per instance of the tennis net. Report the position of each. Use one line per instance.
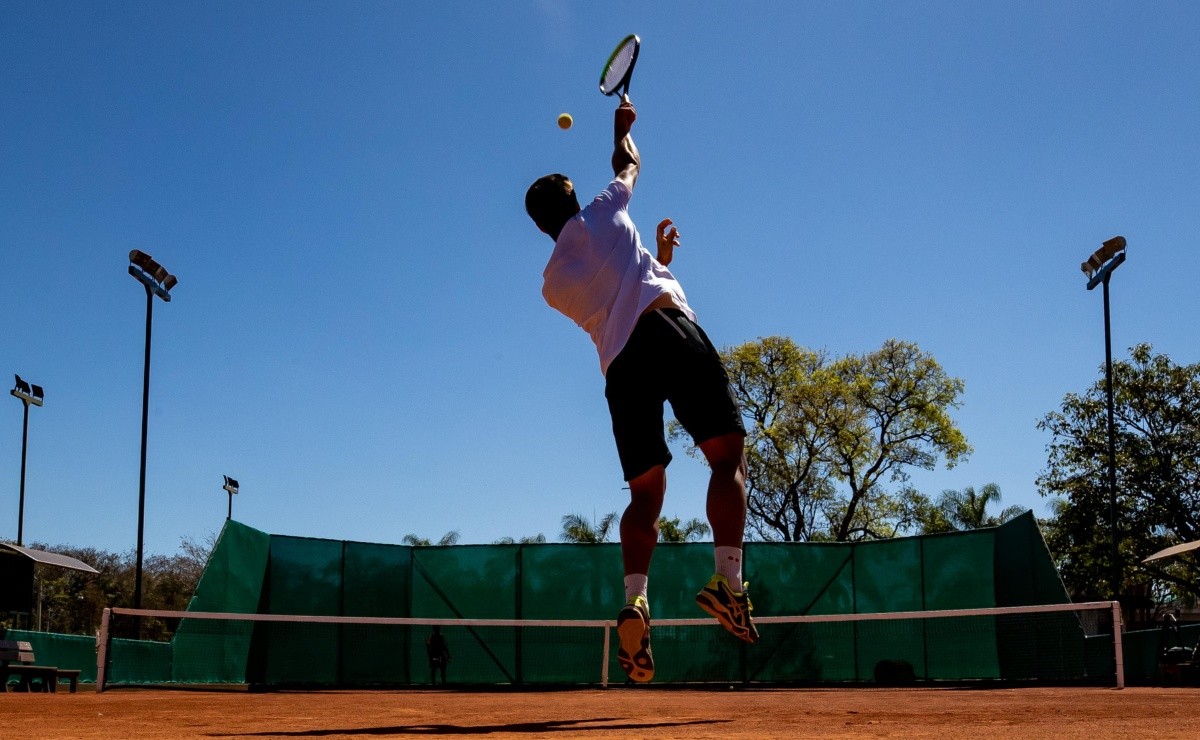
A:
(1051, 644)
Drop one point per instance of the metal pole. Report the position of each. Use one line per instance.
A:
(230, 514)
(1112, 451)
(102, 649)
(24, 443)
(137, 586)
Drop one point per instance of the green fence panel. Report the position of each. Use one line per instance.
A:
(958, 570)
(305, 577)
(69, 652)
(470, 581)
(559, 581)
(138, 662)
(1025, 575)
(1024, 570)
(887, 576)
(792, 579)
(787, 578)
(217, 652)
(1000, 566)
(1141, 650)
(207, 651)
(233, 577)
(375, 584)
(958, 574)
(677, 573)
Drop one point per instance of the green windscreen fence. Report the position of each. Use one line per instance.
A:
(251, 571)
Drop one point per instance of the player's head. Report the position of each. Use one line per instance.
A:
(551, 202)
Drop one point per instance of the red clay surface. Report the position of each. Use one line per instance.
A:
(1063, 714)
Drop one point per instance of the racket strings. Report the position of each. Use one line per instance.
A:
(617, 68)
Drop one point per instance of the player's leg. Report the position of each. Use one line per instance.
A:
(635, 403)
(639, 535)
(725, 596)
(726, 504)
(705, 405)
(639, 523)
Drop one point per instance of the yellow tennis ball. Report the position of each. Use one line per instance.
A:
(565, 121)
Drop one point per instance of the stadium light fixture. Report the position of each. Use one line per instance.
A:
(1099, 269)
(30, 394)
(157, 282)
(231, 486)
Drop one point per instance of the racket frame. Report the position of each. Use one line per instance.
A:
(622, 86)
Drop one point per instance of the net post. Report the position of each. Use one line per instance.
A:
(102, 649)
(1118, 649)
(604, 658)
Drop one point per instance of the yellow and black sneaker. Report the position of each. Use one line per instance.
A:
(633, 631)
(731, 608)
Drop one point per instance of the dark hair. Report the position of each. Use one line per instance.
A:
(551, 202)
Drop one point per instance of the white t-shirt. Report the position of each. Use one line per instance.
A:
(602, 278)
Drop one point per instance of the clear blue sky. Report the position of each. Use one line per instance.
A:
(358, 333)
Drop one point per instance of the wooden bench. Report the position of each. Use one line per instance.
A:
(16, 659)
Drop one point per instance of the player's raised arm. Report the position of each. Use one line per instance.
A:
(626, 162)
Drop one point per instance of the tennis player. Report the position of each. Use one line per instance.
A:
(651, 350)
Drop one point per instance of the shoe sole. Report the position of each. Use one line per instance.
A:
(710, 604)
(634, 654)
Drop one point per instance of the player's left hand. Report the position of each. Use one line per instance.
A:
(667, 241)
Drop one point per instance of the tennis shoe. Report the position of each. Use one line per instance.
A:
(731, 608)
(633, 631)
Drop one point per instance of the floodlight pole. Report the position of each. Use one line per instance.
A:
(26, 399)
(157, 282)
(1102, 277)
(230, 487)
(137, 583)
(21, 505)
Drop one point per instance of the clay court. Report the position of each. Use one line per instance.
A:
(615, 713)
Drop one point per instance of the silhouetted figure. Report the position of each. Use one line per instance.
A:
(439, 655)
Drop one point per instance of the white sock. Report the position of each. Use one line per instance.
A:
(729, 564)
(635, 585)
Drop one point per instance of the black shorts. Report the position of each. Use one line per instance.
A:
(667, 358)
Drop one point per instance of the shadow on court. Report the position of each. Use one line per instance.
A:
(602, 724)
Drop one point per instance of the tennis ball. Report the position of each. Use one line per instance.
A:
(565, 121)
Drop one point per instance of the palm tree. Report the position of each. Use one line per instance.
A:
(967, 509)
(576, 528)
(536, 539)
(450, 538)
(670, 530)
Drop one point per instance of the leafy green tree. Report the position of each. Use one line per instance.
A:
(830, 441)
(72, 602)
(672, 530)
(577, 528)
(968, 509)
(1157, 419)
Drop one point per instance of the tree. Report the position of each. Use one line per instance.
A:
(72, 602)
(448, 539)
(957, 511)
(1157, 419)
(826, 439)
(671, 530)
(536, 539)
(577, 528)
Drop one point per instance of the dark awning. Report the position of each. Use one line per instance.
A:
(49, 558)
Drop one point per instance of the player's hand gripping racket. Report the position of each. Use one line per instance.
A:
(614, 80)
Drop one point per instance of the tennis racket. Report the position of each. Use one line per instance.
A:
(618, 69)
